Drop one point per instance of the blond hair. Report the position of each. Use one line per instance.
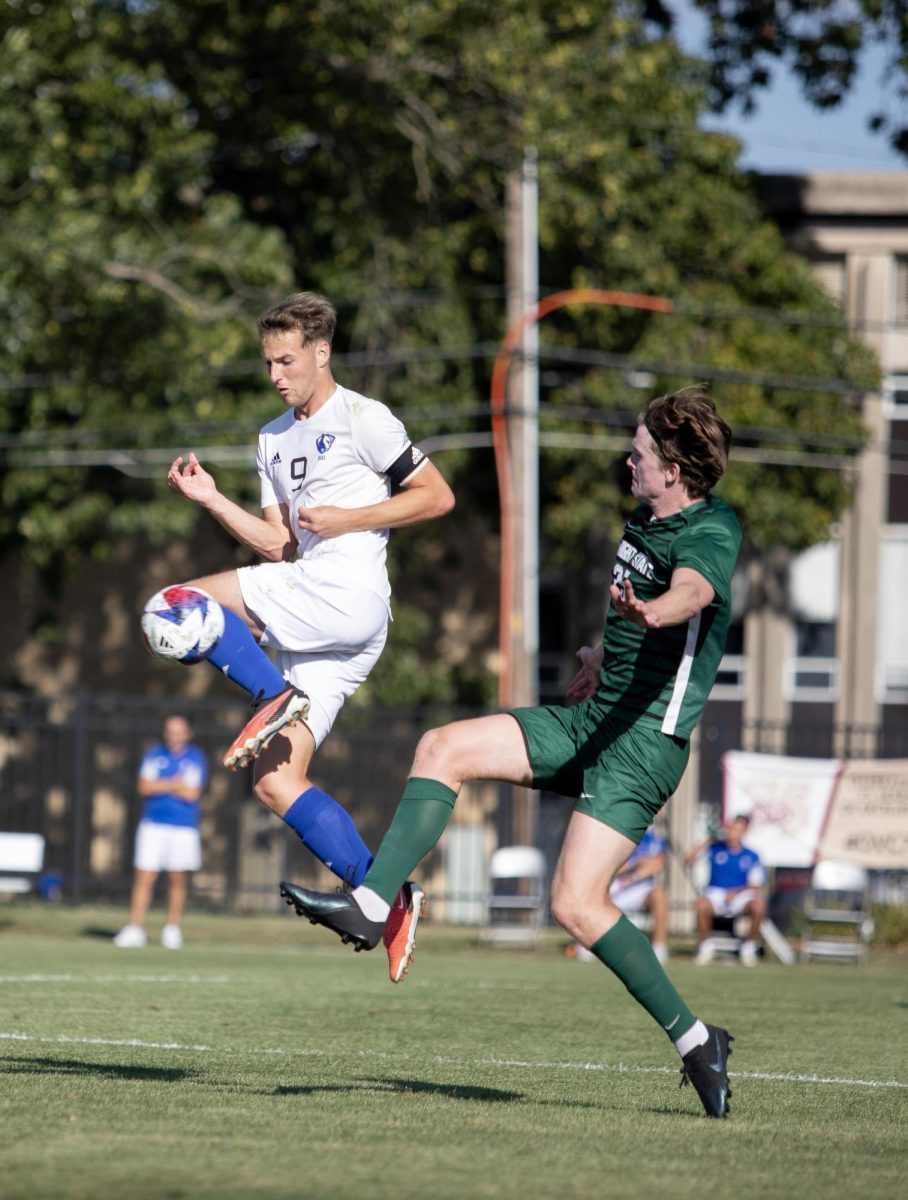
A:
(311, 316)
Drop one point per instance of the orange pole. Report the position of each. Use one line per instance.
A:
(502, 456)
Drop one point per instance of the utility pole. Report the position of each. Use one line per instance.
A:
(522, 269)
(518, 638)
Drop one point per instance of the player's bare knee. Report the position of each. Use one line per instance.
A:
(435, 754)
(567, 909)
(267, 792)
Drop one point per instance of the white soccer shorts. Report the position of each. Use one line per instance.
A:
(632, 899)
(328, 633)
(726, 903)
(167, 847)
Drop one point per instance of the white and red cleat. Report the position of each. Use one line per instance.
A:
(400, 931)
(284, 709)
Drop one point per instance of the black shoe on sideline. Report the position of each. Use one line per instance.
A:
(706, 1068)
(337, 911)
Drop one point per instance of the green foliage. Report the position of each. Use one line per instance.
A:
(408, 676)
(823, 44)
(890, 925)
(170, 168)
(128, 279)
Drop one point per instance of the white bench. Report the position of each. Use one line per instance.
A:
(21, 861)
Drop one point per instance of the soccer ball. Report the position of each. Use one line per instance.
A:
(182, 623)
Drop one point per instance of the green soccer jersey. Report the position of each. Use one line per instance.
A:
(663, 677)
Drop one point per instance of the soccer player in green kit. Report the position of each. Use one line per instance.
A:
(622, 743)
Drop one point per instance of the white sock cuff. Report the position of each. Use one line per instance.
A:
(697, 1035)
(372, 905)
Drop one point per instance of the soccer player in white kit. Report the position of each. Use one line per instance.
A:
(337, 472)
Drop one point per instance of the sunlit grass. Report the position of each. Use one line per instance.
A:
(265, 1059)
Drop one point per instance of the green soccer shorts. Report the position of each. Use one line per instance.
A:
(620, 774)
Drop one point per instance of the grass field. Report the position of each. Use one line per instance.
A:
(266, 1060)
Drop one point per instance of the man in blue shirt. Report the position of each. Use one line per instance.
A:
(172, 778)
(735, 888)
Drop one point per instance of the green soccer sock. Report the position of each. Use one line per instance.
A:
(627, 953)
(422, 815)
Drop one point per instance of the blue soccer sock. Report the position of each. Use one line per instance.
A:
(238, 655)
(327, 829)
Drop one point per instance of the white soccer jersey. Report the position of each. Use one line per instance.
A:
(340, 456)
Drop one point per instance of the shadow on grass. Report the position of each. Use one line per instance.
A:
(407, 1087)
(481, 1095)
(102, 933)
(66, 1066)
(401, 1087)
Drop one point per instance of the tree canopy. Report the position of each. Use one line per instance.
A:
(169, 169)
(822, 43)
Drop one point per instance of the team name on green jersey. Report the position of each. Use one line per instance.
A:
(663, 676)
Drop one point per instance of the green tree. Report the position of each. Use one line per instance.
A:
(377, 137)
(822, 43)
(168, 167)
(127, 279)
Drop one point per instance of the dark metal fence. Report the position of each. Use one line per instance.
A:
(68, 768)
(68, 771)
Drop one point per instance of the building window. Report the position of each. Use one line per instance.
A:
(812, 670)
(892, 639)
(897, 507)
(895, 396)
(731, 680)
(900, 299)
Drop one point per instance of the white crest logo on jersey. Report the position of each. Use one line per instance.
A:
(324, 442)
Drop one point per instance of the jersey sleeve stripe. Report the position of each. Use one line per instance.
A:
(670, 721)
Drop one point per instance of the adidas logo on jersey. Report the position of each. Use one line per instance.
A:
(275, 461)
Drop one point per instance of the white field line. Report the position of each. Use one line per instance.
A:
(115, 979)
(62, 1039)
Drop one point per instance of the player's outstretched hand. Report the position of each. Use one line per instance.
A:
(192, 480)
(632, 608)
(585, 682)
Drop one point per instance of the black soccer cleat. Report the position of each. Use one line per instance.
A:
(335, 910)
(706, 1067)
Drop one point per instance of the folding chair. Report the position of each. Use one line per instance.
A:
(515, 901)
(21, 860)
(725, 937)
(837, 921)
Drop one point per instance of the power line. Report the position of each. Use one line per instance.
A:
(364, 359)
(485, 350)
(149, 463)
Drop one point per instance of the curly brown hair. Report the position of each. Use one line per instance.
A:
(310, 315)
(688, 431)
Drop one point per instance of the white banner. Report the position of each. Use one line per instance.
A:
(868, 823)
(787, 800)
